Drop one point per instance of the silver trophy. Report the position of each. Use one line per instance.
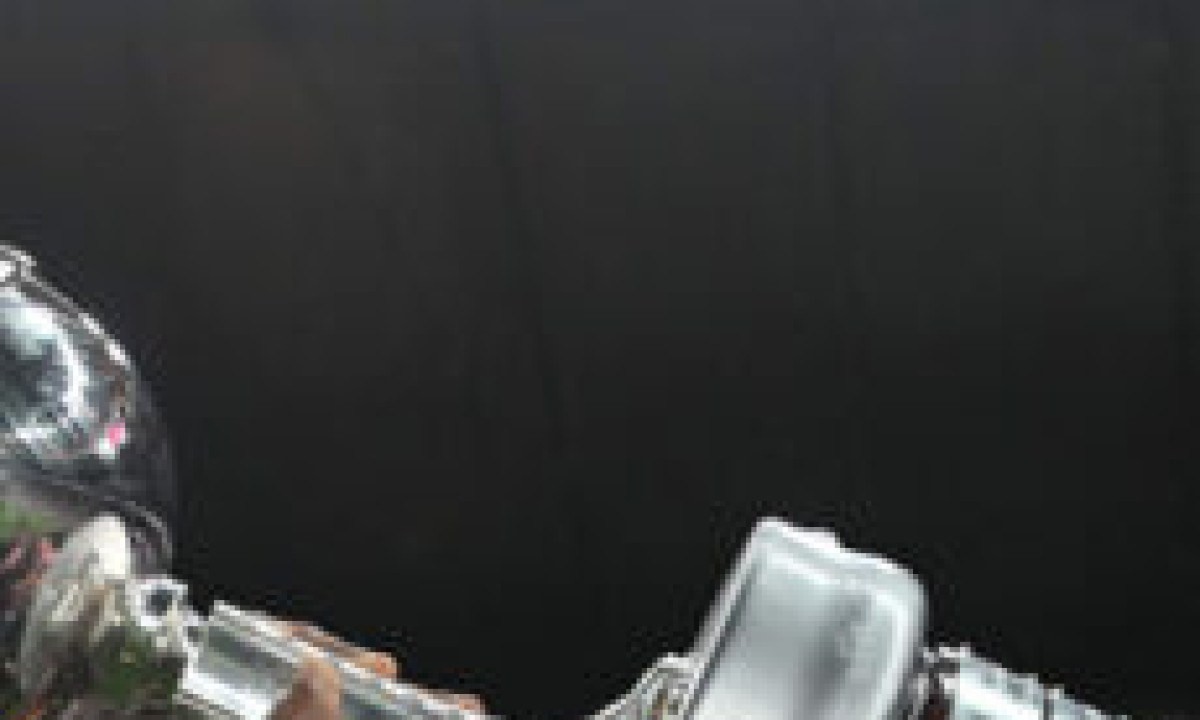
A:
(804, 628)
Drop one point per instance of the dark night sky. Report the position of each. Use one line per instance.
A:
(487, 328)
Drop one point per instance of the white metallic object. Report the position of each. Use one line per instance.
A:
(804, 629)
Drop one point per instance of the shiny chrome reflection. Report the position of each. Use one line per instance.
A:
(66, 387)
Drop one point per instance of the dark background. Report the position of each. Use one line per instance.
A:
(487, 328)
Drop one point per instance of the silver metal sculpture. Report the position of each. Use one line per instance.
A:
(807, 629)
(804, 629)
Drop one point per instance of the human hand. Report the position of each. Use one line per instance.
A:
(317, 694)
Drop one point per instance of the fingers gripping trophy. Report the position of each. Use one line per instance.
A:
(92, 626)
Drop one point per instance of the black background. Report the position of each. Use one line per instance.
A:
(487, 328)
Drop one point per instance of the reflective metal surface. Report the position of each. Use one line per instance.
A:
(246, 664)
(66, 386)
(79, 437)
(967, 687)
(79, 434)
(99, 632)
(808, 629)
(805, 629)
